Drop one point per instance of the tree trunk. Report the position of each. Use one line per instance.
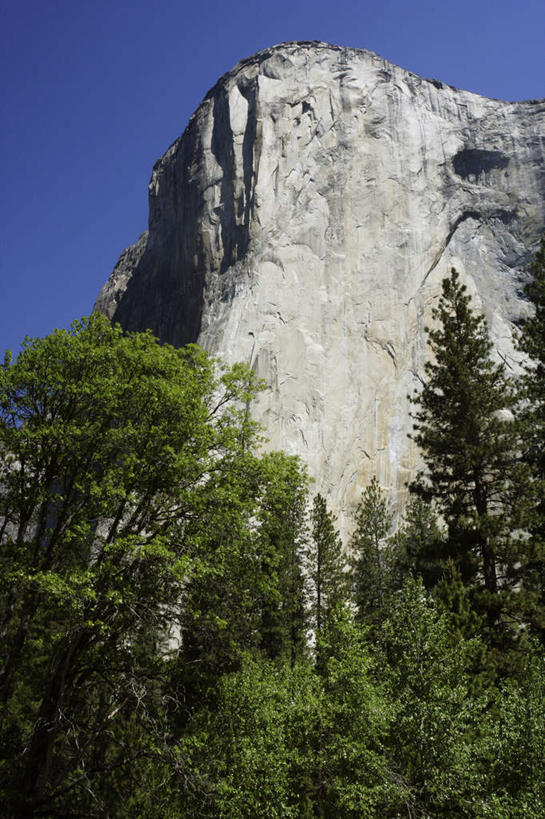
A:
(39, 757)
(13, 659)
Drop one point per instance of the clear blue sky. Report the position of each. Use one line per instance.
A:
(93, 92)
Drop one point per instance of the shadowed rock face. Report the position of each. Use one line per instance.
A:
(303, 223)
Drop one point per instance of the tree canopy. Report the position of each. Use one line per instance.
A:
(464, 426)
(118, 458)
(180, 636)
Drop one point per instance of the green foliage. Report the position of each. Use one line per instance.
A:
(512, 746)
(418, 547)
(282, 536)
(356, 777)
(249, 594)
(453, 597)
(531, 416)
(240, 755)
(286, 742)
(532, 342)
(371, 556)
(467, 448)
(469, 445)
(385, 731)
(116, 456)
(426, 668)
(324, 566)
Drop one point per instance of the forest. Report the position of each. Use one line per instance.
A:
(183, 633)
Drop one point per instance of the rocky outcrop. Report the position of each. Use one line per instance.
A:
(303, 223)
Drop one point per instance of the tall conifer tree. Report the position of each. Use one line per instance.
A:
(532, 420)
(281, 539)
(327, 579)
(418, 546)
(532, 342)
(370, 556)
(469, 443)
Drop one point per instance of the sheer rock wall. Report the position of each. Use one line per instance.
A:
(303, 223)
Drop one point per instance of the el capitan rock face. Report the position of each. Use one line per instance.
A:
(303, 223)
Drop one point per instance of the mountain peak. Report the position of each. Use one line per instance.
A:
(303, 223)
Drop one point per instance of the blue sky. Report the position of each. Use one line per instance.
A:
(94, 92)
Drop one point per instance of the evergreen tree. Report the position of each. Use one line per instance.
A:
(469, 448)
(324, 566)
(370, 562)
(418, 546)
(532, 343)
(452, 596)
(532, 420)
(281, 538)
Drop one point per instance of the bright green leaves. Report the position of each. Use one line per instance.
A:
(286, 742)
(427, 670)
(120, 460)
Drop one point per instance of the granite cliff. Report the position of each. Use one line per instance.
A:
(303, 223)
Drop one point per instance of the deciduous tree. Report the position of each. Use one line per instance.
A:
(114, 457)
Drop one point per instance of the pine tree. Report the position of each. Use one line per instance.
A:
(324, 566)
(452, 596)
(370, 557)
(281, 540)
(532, 420)
(532, 342)
(418, 546)
(469, 444)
